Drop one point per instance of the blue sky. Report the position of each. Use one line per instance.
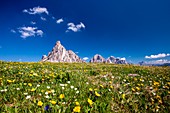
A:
(134, 29)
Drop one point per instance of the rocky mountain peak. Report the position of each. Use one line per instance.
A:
(97, 58)
(60, 54)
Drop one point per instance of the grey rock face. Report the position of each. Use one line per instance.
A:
(111, 59)
(97, 59)
(60, 54)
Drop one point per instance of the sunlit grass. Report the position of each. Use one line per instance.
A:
(81, 87)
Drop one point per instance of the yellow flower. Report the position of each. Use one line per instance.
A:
(155, 83)
(10, 81)
(90, 101)
(110, 82)
(97, 94)
(168, 92)
(101, 86)
(61, 96)
(90, 89)
(33, 89)
(77, 103)
(77, 109)
(40, 103)
(53, 102)
(133, 89)
(0, 78)
(123, 96)
(29, 84)
(111, 87)
(138, 88)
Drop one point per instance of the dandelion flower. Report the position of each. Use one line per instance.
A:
(29, 84)
(77, 103)
(90, 89)
(61, 96)
(40, 103)
(77, 109)
(90, 101)
(33, 89)
(97, 94)
(123, 96)
(53, 102)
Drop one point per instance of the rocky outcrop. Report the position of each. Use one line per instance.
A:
(60, 54)
(97, 59)
(111, 59)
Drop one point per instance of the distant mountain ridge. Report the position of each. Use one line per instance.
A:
(60, 54)
(99, 59)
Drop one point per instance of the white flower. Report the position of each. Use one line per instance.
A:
(65, 84)
(5, 90)
(48, 87)
(38, 85)
(71, 87)
(109, 89)
(75, 89)
(2, 90)
(63, 88)
(87, 83)
(52, 82)
(47, 96)
(18, 88)
(77, 92)
(28, 97)
(46, 93)
(25, 93)
(113, 77)
(62, 85)
(68, 82)
(54, 94)
(40, 94)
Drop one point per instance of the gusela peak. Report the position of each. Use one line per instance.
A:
(60, 54)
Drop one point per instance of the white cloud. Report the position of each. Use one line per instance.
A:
(160, 61)
(36, 10)
(30, 31)
(85, 58)
(123, 58)
(40, 33)
(59, 21)
(44, 19)
(75, 28)
(13, 31)
(161, 55)
(33, 23)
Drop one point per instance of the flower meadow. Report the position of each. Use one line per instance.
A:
(83, 87)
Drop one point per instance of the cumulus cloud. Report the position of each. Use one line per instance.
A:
(33, 23)
(161, 55)
(85, 58)
(160, 61)
(36, 10)
(59, 21)
(44, 19)
(30, 31)
(75, 28)
(13, 31)
(123, 58)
